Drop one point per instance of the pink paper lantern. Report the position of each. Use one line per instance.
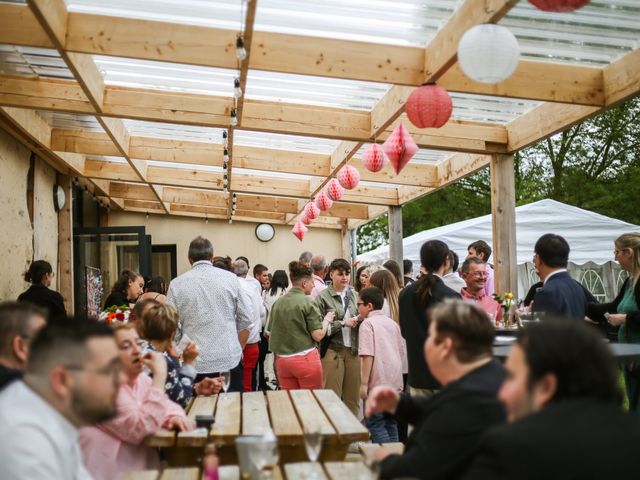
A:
(311, 211)
(304, 219)
(334, 190)
(349, 177)
(559, 5)
(374, 158)
(399, 147)
(429, 106)
(323, 202)
(299, 230)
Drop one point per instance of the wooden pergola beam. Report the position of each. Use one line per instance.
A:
(296, 54)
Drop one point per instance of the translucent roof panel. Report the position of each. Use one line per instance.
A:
(34, 62)
(398, 22)
(308, 90)
(213, 13)
(71, 121)
(483, 108)
(166, 76)
(173, 131)
(284, 142)
(597, 33)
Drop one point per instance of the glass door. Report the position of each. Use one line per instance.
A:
(100, 254)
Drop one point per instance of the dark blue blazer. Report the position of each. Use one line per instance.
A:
(562, 296)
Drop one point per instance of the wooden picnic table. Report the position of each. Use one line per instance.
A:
(292, 471)
(288, 413)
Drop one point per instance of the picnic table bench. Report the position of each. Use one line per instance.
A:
(288, 413)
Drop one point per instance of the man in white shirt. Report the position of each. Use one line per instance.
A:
(72, 380)
(451, 277)
(251, 351)
(214, 313)
(320, 269)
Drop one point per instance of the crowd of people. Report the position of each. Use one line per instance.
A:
(78, 397)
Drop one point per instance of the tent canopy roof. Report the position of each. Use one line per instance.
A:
(589, 234)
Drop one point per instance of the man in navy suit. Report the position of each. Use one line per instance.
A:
(560, 295)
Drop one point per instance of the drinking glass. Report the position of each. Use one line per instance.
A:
(313, 443)
(226, 380)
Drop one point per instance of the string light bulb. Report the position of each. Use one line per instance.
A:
(241, 52)
(237, 89)
(206, 220)
(225, 157)
(234, 118)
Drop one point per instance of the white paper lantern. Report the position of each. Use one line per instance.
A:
(488, 53)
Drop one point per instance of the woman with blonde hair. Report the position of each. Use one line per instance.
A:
(387, 282)
(624, 311)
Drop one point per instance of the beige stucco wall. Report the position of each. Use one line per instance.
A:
(233, 240)
(17, 239)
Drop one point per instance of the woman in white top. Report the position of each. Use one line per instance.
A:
(279, 286)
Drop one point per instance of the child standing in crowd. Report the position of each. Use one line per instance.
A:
(381, 350)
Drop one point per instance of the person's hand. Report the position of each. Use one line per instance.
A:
(190, 353)
(617, 319)
(364, 392)
(330, 316)
(380, 454)
(181, 424)
(382, 399)
(156, 363)
(208, 386)
(351, 322)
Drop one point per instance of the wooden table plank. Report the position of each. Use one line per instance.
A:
(367, 449)
(162, 438)
(304, 470)
(229, 472)
(255, 417)
(310, 413)
(227, 419)
(191, 473)
(284, 420)
(346, 424)
(141, 475)
(350, 470)
(199, 437)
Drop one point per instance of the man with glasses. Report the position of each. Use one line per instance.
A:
(475, 276)
(19, 322)
(72, 380)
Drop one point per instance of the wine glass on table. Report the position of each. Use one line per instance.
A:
(226, 380)
(313, 446)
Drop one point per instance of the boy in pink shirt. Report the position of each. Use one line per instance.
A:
(381, 351)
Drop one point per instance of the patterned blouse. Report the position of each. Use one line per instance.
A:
(180, 379)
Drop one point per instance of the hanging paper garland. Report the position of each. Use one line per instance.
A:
(399, 147)
(349, 177)
(374, 158)
(299, 230)
(304, 219)
(334, 190)
(488, 53)
(429, 106)
(559, 5)
(311, 210)
(323, 202)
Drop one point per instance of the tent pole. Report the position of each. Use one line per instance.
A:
(395, 234)
(503, 218)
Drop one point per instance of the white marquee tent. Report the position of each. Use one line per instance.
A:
(590, 235)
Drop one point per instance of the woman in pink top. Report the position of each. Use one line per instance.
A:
(115, 447)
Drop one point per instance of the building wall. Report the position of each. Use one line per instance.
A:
(19, 238)
(233, 240)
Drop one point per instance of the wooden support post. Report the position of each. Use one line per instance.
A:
(346, 243)
(65, 245)
(395, 234)
(503, 216)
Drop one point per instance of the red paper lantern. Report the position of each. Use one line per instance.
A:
(323, 201)
(349, 177)
(311, 211)
(374, 158)
(399, 147)
(304, 219)
(429, 106)
(334, 190)
(299, 230)
(559, 5)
